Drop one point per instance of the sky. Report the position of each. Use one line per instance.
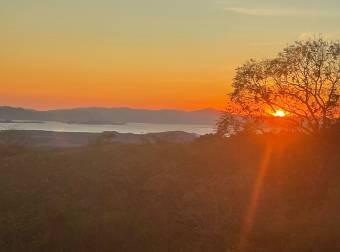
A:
(178, 54)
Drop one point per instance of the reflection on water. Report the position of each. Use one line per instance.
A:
(136, 128)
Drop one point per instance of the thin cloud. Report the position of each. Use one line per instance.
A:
(263, 12)
(310, 35)
(265, 44)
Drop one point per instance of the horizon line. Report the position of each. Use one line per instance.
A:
(103, 107)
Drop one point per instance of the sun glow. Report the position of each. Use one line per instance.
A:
(279, 113)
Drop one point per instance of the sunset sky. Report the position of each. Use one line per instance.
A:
(143, 53)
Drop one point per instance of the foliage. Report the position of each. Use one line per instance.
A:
(173, 197)
(303, 81)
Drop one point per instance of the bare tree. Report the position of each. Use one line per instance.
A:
(303, 81)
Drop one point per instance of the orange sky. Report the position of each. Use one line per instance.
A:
(146, 53)
(53, 87)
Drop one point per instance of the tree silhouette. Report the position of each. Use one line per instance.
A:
(303, 81)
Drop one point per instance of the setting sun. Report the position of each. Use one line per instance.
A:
(181, 125)
(279, 113)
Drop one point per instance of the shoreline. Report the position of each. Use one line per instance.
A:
(51, 139)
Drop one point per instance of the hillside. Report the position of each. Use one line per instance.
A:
(174, 197)
(112, 115)
(49, 139)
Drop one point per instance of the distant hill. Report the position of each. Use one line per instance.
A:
(111, 115)
(41, 139)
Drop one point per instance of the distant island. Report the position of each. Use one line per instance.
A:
(110, 116)
(19, 121)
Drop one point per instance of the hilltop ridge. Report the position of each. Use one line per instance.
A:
(97, 115)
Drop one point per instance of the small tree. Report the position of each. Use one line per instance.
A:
(303, 81)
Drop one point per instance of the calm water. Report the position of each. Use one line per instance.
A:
(137, 128)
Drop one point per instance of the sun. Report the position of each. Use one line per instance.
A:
(279, 113)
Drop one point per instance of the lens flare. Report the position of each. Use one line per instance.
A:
(254, 200)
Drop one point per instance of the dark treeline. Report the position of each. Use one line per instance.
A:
(173, 197)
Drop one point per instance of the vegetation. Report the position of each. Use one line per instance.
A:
(302, 82)
(173, 197)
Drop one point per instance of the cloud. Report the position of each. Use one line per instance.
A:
(266, 44)
(276, 12)
(309, 35)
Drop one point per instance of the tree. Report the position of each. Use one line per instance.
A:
(303, 82)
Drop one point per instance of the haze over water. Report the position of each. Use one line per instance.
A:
(136, 128)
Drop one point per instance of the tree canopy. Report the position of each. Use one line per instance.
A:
(301, 82)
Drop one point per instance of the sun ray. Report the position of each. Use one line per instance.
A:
(253, 204)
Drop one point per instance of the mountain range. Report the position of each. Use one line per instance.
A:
(111, 115)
